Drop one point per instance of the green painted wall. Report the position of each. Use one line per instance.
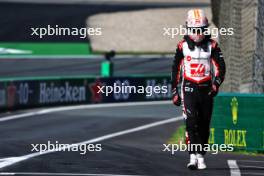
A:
(238, 119)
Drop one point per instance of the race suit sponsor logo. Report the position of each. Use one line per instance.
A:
(65, 93)
(197, 70)
(189, 58)
(188, 89)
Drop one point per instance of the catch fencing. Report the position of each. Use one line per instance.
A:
(243, 51)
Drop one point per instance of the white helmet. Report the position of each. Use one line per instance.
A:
(196, 20)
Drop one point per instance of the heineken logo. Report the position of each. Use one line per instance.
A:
(51, 93)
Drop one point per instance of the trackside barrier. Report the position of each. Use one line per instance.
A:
(238, 119)
(50, 92)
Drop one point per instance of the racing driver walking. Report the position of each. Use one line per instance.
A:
(199, 68)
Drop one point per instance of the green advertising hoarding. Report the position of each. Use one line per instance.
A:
(238, 119)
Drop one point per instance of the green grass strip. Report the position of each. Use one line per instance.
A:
(178, 136)
(54, 48)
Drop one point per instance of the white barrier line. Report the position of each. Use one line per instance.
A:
(59, 174)
(13, 160)
(75, 107)
(234, 169)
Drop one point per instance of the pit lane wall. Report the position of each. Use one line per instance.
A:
(50, 92)
(238, 119)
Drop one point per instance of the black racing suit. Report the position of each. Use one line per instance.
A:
(200, 69)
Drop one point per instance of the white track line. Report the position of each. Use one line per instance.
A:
(76, 107)
(59, 174)
(234, 169)
(252, 173)
(257, 167)
(13, 160)
(251, 161)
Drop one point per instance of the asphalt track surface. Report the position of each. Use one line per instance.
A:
(134, 153)
(123, 65)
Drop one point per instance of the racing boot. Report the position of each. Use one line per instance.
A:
(200, 161)
(192, 165)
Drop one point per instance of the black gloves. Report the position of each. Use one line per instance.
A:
(175, 97)
(214, 90)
